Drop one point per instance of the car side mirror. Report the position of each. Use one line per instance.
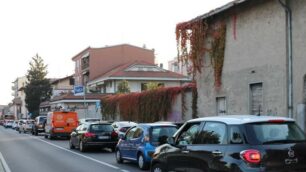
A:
(170, 141)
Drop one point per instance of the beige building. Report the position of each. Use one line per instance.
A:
(255, 76)
(18, 106)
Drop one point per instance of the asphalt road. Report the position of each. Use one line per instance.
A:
(27, 153)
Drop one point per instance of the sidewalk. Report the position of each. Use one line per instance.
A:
(3, 166)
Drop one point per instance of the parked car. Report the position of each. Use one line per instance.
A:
(122, 126)
(8, 123)
(26, 126)
(140, 141)
(234, 143)
(88, 120)
(96, 134)
(60, 124)
(19, 124)
(178, 124)
(39, 125)
(15, 124)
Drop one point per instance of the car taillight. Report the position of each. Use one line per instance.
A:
(88, 134)
(114, 134)
(251, 156)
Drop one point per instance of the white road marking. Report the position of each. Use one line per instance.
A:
(4, 164)
(87, 157)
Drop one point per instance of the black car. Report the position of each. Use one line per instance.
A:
(96, 135)
(238, 143)
(39, 125)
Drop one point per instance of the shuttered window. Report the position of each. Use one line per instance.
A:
(221, 105)
(256, 99)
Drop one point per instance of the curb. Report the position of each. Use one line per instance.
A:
(3, 165)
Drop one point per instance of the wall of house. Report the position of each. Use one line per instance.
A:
(21, 82)
(257, 54)
(62, 86)
(135, 86)
(299, 59)
(103, 60)
(91, 112)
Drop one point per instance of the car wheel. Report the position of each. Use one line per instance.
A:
(113, 149)
(46, 136)
(82, 146)
(50, 137)
(158, 168)
(71, 146)
(19, 131)
(118, 157)
(141, 162)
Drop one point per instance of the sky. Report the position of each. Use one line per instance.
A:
(57, 30)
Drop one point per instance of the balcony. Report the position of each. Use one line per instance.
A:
(85, 63)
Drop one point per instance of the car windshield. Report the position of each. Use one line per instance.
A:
(101, 128)
(160, 134)
(269, 133)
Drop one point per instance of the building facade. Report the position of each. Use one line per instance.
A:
(255, 70)
(18, 106)
(92, 62)
(138, 74)
(178, 66)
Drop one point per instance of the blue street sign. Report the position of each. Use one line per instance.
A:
(78, 90)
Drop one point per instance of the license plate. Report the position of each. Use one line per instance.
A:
(103, 137)
(58, 129)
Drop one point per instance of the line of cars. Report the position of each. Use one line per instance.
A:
(237, 143)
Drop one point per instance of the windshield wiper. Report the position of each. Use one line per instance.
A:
(283, 141)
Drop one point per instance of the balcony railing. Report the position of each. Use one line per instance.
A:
(85, 63)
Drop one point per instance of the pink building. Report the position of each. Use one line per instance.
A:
(92, 62)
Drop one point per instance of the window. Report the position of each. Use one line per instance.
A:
(130, 133)
(212, 133)
(144, 86)
(263, 133)
(161, 84)
(138, 133)
(235, 135)
(256, 99)
(221, 105)
(189, 134)
(101, 128)
(160, 134)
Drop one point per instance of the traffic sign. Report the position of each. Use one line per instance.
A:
(79, 90)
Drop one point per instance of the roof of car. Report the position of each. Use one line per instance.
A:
(98, 122)
(240, 119)
(156, 124)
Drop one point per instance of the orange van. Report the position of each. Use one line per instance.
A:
(60, 124)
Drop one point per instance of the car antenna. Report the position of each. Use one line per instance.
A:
(259, 110)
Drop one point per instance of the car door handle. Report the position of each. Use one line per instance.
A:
(185, 151)
(216, 153)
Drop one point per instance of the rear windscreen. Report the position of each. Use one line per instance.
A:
(101, 128)
(266, 133)
(159, 135)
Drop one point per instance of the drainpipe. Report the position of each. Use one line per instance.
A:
(289, 57)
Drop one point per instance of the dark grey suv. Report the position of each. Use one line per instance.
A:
(241, 143)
